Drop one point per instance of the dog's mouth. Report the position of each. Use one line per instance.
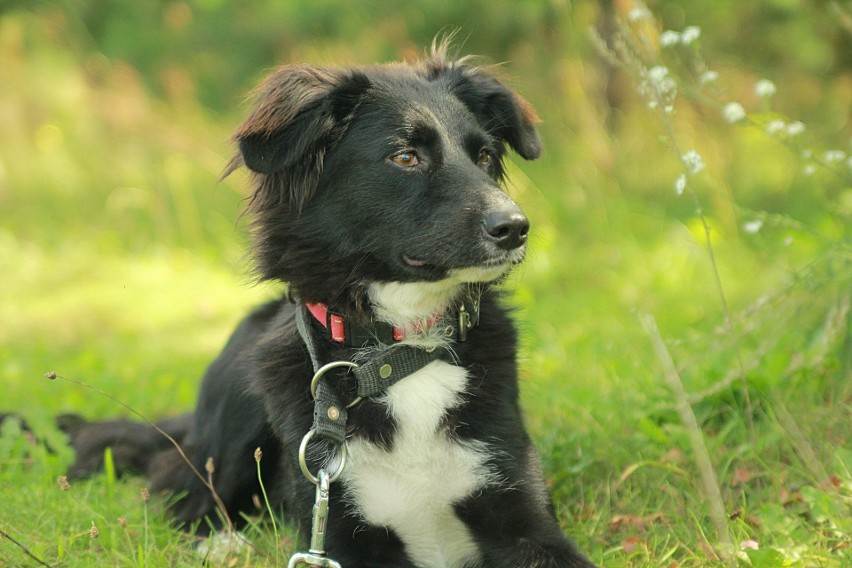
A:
(485, 271)
(421, 269)
(414, 262)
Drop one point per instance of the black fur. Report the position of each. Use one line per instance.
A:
(333, 215)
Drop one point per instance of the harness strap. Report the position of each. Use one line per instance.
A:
(330, 414)
(386, 366)
(390, 366)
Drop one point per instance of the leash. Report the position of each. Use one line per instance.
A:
(373, 376)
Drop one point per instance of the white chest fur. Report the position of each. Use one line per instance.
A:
(412, 488)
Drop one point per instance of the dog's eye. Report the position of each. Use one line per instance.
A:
(484, 158)
(405, 159)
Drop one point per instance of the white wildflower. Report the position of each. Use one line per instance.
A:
(765, 88)
(658, 73)
(795, 128)
(775, 127)
(658, 87)
(640, 13)
(733, 112)
(669, 38)
(680, 184)
(690, 35)
(834, 156)
(693, 161)
(751, 227)
(809, 170)
(660, 79)
(708, 76)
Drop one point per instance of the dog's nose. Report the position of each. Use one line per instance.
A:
(506, 228)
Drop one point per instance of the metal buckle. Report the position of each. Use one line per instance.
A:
(464, 323)
(468, 319)
(327, 367)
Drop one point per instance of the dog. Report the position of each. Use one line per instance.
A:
(387, 376)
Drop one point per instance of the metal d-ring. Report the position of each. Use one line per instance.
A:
(327, 367)
(303, 465)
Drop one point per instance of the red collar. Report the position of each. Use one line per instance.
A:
(342, 331)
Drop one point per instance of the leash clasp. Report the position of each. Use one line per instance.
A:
(315, 556)
(320, 516)
(313, 560)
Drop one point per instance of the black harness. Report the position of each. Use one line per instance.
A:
(384, 363)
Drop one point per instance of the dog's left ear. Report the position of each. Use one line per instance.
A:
(503, 113)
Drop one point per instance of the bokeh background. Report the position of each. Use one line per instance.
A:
(123, 256)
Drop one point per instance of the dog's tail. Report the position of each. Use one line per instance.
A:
(133, 444)
(156, 450)
(168, 455)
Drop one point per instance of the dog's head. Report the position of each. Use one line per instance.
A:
(378, 188)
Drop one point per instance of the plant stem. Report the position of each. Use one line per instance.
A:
(696, 438)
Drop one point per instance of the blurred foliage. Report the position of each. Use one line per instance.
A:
(123, 254)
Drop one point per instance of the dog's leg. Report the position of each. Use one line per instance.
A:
(525, 533)
(225, 476)
(528, 553)
(519, 541)
(356, 545)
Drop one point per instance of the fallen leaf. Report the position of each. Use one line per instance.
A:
(741, 477)
(641, 523)
(790, 497)
(631, 543)
(674, 455)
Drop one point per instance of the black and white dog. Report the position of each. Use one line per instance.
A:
(377, 199)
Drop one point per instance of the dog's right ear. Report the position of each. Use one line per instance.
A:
(301, 112)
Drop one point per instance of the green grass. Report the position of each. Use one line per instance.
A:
(124, 267)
